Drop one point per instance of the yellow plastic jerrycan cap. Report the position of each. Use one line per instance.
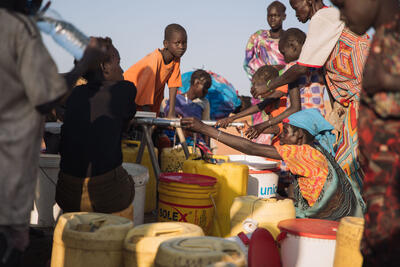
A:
(201, 251)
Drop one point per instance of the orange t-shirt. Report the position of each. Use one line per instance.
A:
(279, 108)
(150, 75)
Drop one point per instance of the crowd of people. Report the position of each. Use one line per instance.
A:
(344, 159)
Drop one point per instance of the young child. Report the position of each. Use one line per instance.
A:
(273, 104)
(194, 102)
(307, 92)
(379, 126)
(322, 189)
(158, 68)
(262, 47)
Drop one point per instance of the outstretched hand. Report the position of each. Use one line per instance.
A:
(192, 124)
(254, 131)
(223, 123)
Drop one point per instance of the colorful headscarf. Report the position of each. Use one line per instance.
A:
(312, 121)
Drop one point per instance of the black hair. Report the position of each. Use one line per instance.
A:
(309, 137)
(173, 28)
(266, 73)
(201, 74)
(278, 5)
(27, 7)
(95, 70)
(296, 33)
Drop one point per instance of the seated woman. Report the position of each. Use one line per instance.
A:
(322, 189)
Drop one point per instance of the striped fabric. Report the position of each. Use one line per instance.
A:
(346, 154)
(310, 165)
(344, 69)
(345, 66)
(261, 50)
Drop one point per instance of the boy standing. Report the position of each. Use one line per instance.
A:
(162, 66)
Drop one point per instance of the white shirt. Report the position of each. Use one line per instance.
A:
(323, 33)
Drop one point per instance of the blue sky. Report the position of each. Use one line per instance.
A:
(217, 30)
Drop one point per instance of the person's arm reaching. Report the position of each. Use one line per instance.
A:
(295, 105)
(290, 76)
(94, 53)
(172, 99)
(225, 121)
(235, 142)
(251, 110)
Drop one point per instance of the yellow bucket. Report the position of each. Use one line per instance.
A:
(232, 182)
(185, 197)
(348, 238)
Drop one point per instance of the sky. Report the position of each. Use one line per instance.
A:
(217, 30)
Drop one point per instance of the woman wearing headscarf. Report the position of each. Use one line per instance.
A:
(342, 54)
(321, 188)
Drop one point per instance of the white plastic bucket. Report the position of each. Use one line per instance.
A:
(140, 175)
(307, 242)
(263, 175)
(46, 210)
(263, 183)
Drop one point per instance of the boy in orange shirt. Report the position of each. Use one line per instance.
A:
(158, 68)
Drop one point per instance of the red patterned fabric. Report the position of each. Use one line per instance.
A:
(345, 66)
(311, 167)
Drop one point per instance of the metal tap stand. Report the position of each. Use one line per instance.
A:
(147, 124)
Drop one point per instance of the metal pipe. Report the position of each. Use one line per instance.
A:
(177, 122)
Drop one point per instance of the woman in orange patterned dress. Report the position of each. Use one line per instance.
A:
(322, 188)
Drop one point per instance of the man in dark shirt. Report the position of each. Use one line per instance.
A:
(91, 176)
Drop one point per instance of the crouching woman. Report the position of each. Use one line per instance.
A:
(322, 189)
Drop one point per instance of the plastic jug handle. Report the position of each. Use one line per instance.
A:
(281, 236)
(221, 157)
(243, 237)
(165, 231)
(133, 142)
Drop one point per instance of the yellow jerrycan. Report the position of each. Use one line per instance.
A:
(172, 159)
(86, 239)
(130, 150)
(249, 212)
(198, 251)
(142, 242)
(348, 238)
(231, 182)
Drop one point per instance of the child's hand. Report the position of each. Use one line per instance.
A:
(192, 124)
(258, 89)
(223, 123)
(254, 131)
